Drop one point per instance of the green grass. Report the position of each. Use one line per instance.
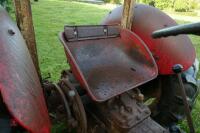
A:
(50, 16)
(190, 13)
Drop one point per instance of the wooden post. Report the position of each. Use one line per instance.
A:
(25, 24)
(127, 16)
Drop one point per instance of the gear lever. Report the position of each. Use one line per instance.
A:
(177, 69)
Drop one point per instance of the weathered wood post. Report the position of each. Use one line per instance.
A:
(127, 16)
(25, 24)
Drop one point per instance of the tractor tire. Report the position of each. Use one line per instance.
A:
(164, 98)
(5, 126)
(4, 118)
(170, 108)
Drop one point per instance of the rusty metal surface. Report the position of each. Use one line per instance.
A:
(19, 83)
(110, 66)
(65, 104)
(77, 107)
(148, 126)
(125, 114)
(75, 33)
(166, 51)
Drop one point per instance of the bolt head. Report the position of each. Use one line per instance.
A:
(141, 97)
(11, 32)
(178, 68)
(71, 93)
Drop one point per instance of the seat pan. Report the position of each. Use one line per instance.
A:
(111, 66)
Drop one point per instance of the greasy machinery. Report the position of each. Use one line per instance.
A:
(120, 81)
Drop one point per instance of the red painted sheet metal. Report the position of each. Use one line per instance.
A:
(166, 51)
(19, 84)
(110, 66)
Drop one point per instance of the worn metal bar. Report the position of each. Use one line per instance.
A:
(178, 69)
(25, 24)
(186, 105)
(127, 15)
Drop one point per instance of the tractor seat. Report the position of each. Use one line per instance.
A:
(106, 60)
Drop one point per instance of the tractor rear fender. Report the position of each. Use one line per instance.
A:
(166, 51)
(19, 83)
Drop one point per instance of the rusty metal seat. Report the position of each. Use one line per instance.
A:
(106, 60)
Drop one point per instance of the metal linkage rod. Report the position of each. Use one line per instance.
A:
(178, 70)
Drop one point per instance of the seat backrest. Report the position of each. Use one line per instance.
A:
(75, 33)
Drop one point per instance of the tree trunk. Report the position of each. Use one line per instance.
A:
(127, 17)
(25, 24)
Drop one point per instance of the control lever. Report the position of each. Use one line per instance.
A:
(177, 69)
(193, 28)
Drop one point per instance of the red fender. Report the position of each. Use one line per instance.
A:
(19, 83)
(166, 51)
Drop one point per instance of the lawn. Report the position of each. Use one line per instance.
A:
(49, 18)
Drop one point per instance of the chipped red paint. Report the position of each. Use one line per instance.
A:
(166, 51)
(19, 83)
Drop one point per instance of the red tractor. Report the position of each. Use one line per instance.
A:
(120, 81)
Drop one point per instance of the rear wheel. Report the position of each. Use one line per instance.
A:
(170, 108)
(165, 101)
(5, 126)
